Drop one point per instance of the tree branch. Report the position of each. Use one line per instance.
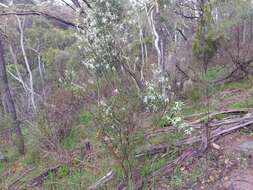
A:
(40, 13)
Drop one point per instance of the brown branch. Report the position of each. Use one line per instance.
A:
(153, 150)
(175, 163)
(225, 127)
(40, 179)
(39, 13)
(186, 16)
(138, 81)
(78, 5)
(67, 4)
(88, 4)
(215, 114)
(182, 34)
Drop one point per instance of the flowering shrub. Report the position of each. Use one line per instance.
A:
(153, 100)
(174, 117)
(172, 112)
(117, 121)
(99, 41)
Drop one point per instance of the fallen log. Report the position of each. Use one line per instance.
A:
(225, 128)
(197, 124)
(216, 114)
(40, 179)
(17, 181)
(153, 150)
(217, 129)
(175, 163)
(159, 131)
(189, 153)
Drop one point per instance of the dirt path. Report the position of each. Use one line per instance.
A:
(230, 167)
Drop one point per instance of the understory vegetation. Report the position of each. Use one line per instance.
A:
(124, 94)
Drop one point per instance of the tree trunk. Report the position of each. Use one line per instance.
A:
(4, 85)
(159, 43)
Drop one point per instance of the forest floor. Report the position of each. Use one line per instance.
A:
(226, 165)
(229, 167)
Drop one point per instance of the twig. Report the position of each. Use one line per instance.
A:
(102, 181)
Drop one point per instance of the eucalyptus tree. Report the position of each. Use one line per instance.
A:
(6, 93)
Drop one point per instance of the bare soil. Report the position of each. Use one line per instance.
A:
(229, 168)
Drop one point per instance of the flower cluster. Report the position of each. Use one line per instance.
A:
(104, 29)
(174, 117)
(153, 100)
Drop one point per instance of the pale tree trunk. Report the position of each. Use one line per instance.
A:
(1, 110)
(176, 37)
(250, 28)
(18, 77)
(41, 68)
(159, 43)
(143, 55)
(19, 139)
(244, 37)
(26, 63)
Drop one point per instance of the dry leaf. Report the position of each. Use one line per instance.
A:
(217, 147)
(211, 178)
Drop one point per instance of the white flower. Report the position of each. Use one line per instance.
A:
(102, 103)
(107, 66)
(90, 81)
(188, 131)
(115, 92)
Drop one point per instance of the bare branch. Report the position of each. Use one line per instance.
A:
(39, 13)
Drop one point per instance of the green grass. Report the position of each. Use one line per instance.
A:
(194, 95)
(5, 123)
(242, 104)
(71, 140)
(69, 178)
(194, 109)
(180, 177)
(177, 179)
(85, 118)
(1, 167)
(215, 72)
(150, 167)
(244, 84)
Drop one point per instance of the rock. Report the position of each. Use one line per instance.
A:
(216, 146)
(2, 157)
(246, 147)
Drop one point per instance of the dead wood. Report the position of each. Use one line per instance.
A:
(189, 153)
(217, 128)
(40, 179)
(153, 150)
(224, 127)
(18, 181)
(216, 114)
(159, 131)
